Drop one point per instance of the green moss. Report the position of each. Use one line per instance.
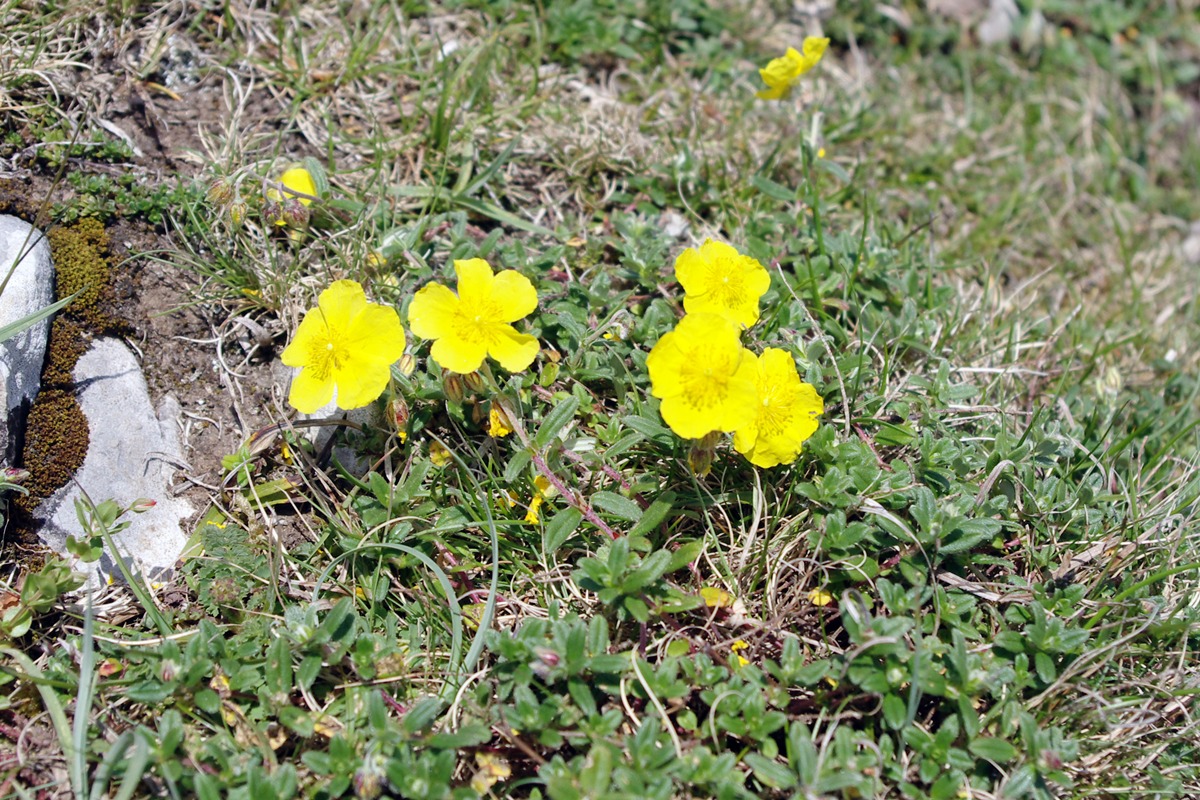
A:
(56, 441)
(65, 346)
(80, 254)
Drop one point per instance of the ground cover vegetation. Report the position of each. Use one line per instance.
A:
(909, 511)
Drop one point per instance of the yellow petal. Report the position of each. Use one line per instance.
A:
(308, 393)
(689, 269)
(375, 335)
(716, 598)
(514, 351)
(340, 303)
(820, 597)
(360, 381)
(513, 295)
(298, 182)
(312, 329)
(458, 355)
(433, 311)
(474, 283)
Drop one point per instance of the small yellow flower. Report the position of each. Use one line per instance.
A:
(716, 598)
(492, 769)
(820, 152)
(297, 184)
(781, 74)
(544, 487)
(498, 425)
(344, 345)
(704, 377)
(736, 648)
(477, 322)
(438, 454)
(784, 416)
(717, 279)
(532, 516)
(820, 597)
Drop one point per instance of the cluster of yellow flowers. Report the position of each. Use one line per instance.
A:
(709, 383)
(346, 345)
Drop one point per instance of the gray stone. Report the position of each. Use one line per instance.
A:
(25, 264)
(997, 26)
(1190, 249)
(131, 455)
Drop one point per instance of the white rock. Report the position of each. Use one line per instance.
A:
(997, 26)
(131, 455)
(25, 261)
(1191, 245)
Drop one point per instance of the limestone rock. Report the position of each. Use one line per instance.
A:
(25, 262)
(131, 455)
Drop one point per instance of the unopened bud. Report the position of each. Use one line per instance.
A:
(168, 671)
(14, 475)
(474, 381)
(408, 364)
(220, 193)
(142, 504)
(398, 414)
(273, 213)
(295, 214)
(237, 211)
(702, 453)
(452, 387)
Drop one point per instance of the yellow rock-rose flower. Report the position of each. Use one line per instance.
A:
(785, 415)
(704, 377)
(298, 184)
(719, 280)
(781, 74)
(344, 344)
(477, 322)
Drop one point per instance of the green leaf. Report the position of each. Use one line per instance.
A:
(560, 528)
(207, 701)
(684, 555)
(297, 720)
(422, 714)
(895, 712)
(771, 773)
(472, 734)
(555, 421)
(1044, 665)
(653, 516)
(617, 505)
(992, 749)
(770, 188)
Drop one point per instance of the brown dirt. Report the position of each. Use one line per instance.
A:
(155, 298)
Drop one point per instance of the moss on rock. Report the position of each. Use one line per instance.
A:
(80, 254)
(56, 442)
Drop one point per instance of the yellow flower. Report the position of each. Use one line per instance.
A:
(820, 597)
(542, 489)
(781, 74)
(344, 344)
(704, 377)
(438, 454)
(297, 184)
(476, 323)
(714, 597)
(736, 648)
(718, 279)
(785, 415)
(532, 516)
(498, 425)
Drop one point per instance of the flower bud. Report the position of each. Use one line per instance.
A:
(273, 212)
(295, 214)
(408, 364)
(474, 381)
(452, 387)
(220, 192)
(702, 453)
(398, 415)
(142, 505)
(237, 211)
(14, 475)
